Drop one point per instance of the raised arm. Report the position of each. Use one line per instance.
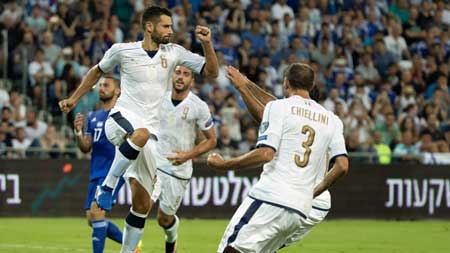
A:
(89, 80)
(84, 142)
(254, 97)
(211, 68)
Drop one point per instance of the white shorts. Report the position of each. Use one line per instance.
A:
(144, 169)
(259, 227)
(120, 123)
(172, 192)
(320, 207)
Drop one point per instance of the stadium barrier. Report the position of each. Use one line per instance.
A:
(57, 188)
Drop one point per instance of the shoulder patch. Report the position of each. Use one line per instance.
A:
(263, 127)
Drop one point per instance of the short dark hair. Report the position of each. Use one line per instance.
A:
(300, 76)
(114, 78)
(153, 14)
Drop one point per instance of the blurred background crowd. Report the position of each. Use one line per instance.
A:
(382, 66)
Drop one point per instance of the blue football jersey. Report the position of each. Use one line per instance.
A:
(102, 150)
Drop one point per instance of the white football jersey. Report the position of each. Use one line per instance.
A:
(145, 80)
(178, 131)
(302, 132)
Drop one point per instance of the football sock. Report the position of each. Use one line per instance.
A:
(125, 154)
(172, 231)
(132, 233)
(98, 235)
(113, 232)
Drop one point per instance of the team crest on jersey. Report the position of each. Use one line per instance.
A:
(263, 127)
(209, 122)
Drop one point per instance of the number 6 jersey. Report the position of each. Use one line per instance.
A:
(301, 132)
(145, 76)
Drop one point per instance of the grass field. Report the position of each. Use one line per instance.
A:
(20, 235)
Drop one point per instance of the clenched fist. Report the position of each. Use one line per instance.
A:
(203, 34)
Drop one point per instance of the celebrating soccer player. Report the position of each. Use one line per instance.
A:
(133, 124)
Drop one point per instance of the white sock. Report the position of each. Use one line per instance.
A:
(132, 235)
(172, 232)
(119, 166)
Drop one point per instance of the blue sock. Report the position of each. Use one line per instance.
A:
(98, 235)
(113, 232)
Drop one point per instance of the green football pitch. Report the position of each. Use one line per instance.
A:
(24, 235)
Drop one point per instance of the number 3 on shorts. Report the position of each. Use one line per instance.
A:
(306, 144)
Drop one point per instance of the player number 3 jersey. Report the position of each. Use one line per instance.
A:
(302, 132)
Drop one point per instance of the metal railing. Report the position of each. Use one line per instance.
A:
(5, 54)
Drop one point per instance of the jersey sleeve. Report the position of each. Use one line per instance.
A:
(110, 59)
(337, 144)
(271, 126)
(194, 62)
(204, 121)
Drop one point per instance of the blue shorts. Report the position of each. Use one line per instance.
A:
(92, 188)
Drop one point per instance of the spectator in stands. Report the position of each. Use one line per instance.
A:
(432, 126)
(51, 143)
(41, 73)
(408, 97)
(227, 146)
(395, 42)
(51, 50)
(406, 150)
(383, 151)
(4, 96)
(249, 141)
(323, 55)
(426, 144)
(20, 143)
(358, 121)
(230, 114)
(407, 124)
(18, 107)
(332, 99)
(255, 37)
(389, 130)
(35, 128)
(114, 32)
(36, 21)
(280, 9)
(367, 70)
(382, 57)
(7, 115)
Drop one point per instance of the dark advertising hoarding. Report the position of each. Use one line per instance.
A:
(58, 188)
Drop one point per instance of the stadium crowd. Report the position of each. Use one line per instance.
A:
(382, 66)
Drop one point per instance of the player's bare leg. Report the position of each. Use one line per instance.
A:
(170, 225)
(126, 153)
(135, 220)
(230, 249)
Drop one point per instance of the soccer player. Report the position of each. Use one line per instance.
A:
(133, 124)
(256, 99)
(184, 113)
(102, 155)
(294, 137)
